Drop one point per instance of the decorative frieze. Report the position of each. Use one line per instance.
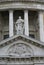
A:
(31, 60)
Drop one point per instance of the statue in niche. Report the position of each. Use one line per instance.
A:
(19, 26)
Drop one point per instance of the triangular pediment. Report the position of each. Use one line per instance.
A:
(18, 47)
(23, 38)
(21, 46)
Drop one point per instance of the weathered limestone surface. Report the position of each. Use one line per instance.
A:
(20, 49)
(22, 0)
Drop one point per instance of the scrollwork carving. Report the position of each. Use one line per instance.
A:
(20, 50)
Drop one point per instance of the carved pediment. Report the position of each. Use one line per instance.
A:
(20, 50)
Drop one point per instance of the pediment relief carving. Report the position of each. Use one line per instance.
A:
(20, 50)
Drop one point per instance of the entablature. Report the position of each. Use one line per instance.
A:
(21, 6)
(39, 1)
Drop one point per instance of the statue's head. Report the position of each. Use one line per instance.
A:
(19, 17)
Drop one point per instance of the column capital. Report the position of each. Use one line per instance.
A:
(26, 10)
(11, 10)
(40, 12)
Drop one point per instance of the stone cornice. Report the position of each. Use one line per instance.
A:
(31, 60)
(21, 6)
(23, 38)
(12, 56)
(38, 1)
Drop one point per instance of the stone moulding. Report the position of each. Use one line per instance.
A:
(31, 60)
(21, 6)
(39, 1)
(23, 38)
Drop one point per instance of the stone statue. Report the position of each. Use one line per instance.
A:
(19, 26)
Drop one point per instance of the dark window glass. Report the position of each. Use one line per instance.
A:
(32, 35)
(6, 36)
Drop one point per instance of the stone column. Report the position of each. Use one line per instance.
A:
(41, 25)
(10, 23)
(26, 22)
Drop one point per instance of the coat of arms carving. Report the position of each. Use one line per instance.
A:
(20, 50)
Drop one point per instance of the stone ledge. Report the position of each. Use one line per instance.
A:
(39, 1)
(23, 38)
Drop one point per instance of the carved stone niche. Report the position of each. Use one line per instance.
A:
(20, 50)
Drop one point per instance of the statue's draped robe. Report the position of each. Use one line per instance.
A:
(19, 26)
